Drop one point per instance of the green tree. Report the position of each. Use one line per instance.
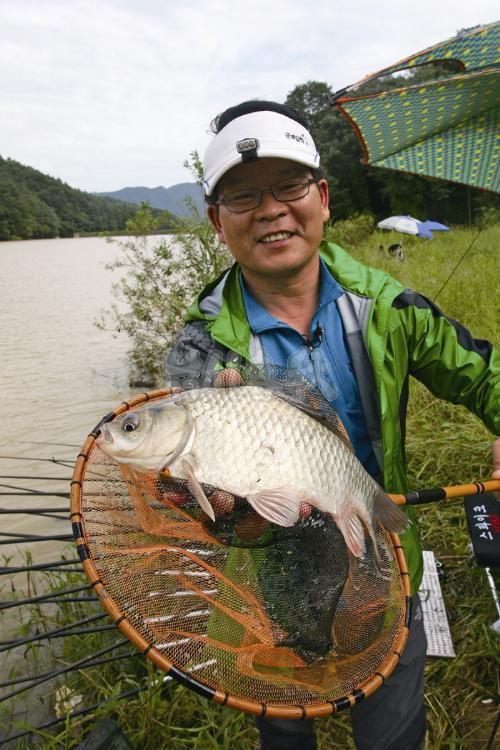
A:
(340, 151)
(160, 276)
(36, 205)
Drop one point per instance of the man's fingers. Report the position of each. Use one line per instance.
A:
(175, 497)
(228, 378)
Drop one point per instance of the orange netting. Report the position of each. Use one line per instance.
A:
(269, 614)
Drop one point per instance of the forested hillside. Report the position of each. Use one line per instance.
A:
(33, 205)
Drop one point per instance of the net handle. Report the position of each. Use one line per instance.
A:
(363, 690)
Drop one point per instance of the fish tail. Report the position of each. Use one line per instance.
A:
(389, 514)
(356, 519)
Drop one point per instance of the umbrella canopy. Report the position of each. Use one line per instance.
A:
(445, 128)
(406, 225)
(435, 226)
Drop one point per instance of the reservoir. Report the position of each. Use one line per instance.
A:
(59, 373)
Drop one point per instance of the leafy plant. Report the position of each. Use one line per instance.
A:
(159, 277)
(350, 232)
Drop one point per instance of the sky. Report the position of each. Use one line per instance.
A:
(105, 94)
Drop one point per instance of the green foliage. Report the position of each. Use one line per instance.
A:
(33, 206)
(159, 277)
(350, 232)
(428, 263)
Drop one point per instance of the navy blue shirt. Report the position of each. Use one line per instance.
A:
(324, 359)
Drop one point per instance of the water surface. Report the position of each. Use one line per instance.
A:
(59, 374)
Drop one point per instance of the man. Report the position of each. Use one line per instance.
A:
(294, 301)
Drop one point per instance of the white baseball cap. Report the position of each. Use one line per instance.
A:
(255, 136)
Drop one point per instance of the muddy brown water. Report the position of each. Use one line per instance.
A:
(59, 375)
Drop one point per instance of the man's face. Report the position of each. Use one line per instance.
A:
(275, 239)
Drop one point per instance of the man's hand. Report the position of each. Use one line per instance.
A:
(496, 459)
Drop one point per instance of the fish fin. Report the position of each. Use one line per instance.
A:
(197, 489)
(312, 402)
(280, 506)
(369, 525)
(351, 526)
(389, 514)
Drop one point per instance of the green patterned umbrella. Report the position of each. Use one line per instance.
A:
(445, 128)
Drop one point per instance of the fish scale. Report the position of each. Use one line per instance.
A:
(306, 454)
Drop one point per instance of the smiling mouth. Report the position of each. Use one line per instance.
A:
(276, 237)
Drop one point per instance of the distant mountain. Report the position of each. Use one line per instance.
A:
(172, 199)
(34, 205)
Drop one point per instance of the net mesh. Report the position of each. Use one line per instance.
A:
(273, 615)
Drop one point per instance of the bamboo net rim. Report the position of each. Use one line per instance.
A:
(271, 710)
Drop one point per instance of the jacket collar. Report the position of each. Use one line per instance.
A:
(227, 321)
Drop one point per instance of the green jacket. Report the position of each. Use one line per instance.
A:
(392, 332)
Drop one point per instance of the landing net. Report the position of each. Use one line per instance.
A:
(269, 620)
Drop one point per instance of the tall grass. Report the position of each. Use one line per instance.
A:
(446, 445)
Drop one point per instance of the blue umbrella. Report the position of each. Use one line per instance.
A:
(406, 225)
(435, 226)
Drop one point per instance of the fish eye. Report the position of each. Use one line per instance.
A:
(130, 423)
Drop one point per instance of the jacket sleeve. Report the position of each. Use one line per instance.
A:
(444, 356)
(193, 358)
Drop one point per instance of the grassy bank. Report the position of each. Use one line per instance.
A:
(445, 445)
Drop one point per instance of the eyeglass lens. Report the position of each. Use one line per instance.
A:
(286, 190)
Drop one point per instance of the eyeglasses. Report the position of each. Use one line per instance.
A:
(247, 199)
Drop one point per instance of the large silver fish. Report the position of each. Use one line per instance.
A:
(249, 442)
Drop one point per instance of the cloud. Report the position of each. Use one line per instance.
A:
(114, 93)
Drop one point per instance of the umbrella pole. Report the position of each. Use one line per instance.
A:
(401, 253)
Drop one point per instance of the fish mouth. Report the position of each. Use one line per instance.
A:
(105, 435)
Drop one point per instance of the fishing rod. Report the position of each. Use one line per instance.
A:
(64, 633)
(64, 630)
(24, 476)
(44, 597)
(43, 512)
(30, 491)
(59, 462)
(46, 569)
(71, 667)
(49, 600)
(41, 567)
(492, 213)
(420, 497)
(38, 511)
(25, 538)
(94, 663)
(42, 442)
